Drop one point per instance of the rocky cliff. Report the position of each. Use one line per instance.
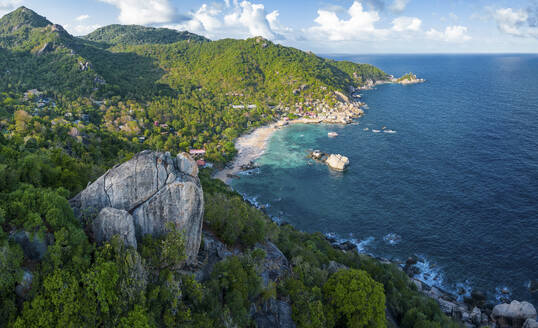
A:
(141, 196)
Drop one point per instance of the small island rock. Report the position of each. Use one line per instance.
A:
(337, 162)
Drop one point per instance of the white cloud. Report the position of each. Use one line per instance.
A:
(82, 17)
(403, 23)
(86, 29)
(399, 5)
(203, 21)
(456, 33)
(252, 17)
(234, 19)
(360, 25)
(275, 25)
(143, 11)
(515, 22)
(8, 5)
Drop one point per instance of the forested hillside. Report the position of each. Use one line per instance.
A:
(135, 34)
(72, 108)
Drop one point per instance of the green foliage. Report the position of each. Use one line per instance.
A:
(136, 34)
(354, 299)
(20, 19)
(11, 258)
(234, 285)
(234, 221)
(136, 318)
(360, 72)
(408, 77)
(170, 91)
(172, 248)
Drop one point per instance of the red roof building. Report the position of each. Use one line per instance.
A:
(197, 151)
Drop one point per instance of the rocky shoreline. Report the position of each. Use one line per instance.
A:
(474, 310)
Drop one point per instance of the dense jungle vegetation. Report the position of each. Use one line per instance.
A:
(70, 108)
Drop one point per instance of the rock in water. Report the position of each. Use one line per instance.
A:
(514, 314)
(110, 222)
(337, 162)
(154, 188)
(530, 323)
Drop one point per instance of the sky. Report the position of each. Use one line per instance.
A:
(324, 26)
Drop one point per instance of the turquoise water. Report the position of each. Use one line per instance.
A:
(457, 184)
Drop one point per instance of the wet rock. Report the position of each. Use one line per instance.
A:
(476, 316)
(346, 246)
(316, 154)
(478, 296)
(412, 260)
(447, 307)
(331, 239)
(417, 283)
(530, 323)
(533, 286)
(461, 313)
(514, 314)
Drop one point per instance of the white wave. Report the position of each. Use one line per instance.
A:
(254, 171)
(389, 131)
(503, 294)
(430, 274)
(376, 131)
(362, 244)
(392, 238)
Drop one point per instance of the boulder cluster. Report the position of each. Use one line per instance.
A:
(336, 162)
(143, 196)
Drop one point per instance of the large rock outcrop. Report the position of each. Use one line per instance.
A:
(513, 315)
(530, 323)
(112, 221)
(337, 162)
(153, 188)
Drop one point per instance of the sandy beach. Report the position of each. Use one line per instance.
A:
(251, 146)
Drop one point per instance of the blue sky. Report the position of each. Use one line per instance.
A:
(327, 26)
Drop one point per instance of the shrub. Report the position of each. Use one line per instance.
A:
(354, 299)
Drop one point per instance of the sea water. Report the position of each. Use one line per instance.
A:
(455, 183)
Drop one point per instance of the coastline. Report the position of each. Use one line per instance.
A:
(463, 304)
(252, 145)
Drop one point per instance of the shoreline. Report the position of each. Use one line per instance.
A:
(253, 145)
(465, 303)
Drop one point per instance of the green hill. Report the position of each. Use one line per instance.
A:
(144, 62)
(136, 34)
(21, 19)
(123, 89)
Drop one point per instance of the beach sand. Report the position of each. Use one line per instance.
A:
(251, 146)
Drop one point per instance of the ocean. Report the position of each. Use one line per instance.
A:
(455, 185)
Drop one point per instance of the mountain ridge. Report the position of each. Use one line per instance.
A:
(136, 34)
